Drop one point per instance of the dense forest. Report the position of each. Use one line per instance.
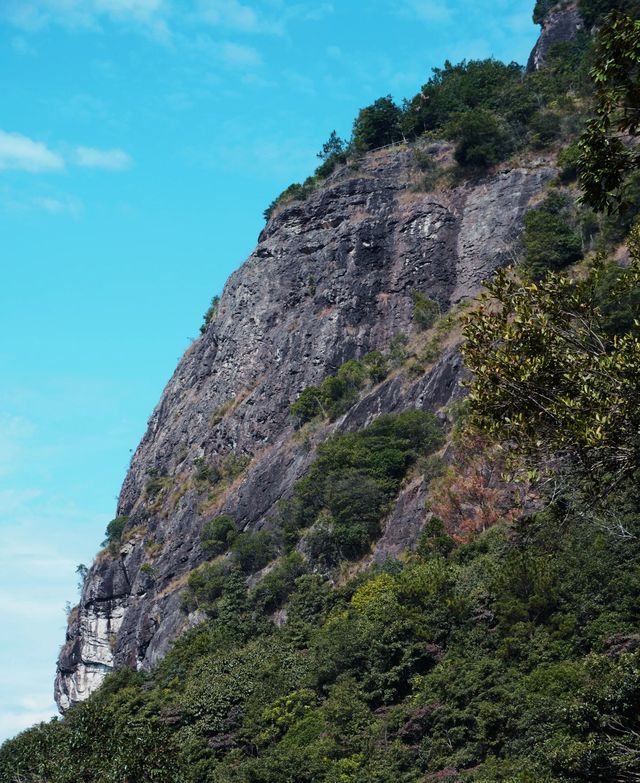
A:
(506, 647)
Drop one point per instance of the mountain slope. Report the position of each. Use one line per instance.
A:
(330, 280)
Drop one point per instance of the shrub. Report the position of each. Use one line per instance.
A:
(273, 590)
(545, 128)
(550, 243)
(346, 491)
(336, 393)
(114, 531)
(253, 551)
(218, 535)
(205, 585)
(398, 349)
(209, 315)
(309, 404)
(594, 11)
(482, 140)
(377, 366)
(425, 310)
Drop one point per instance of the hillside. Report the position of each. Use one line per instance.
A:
(325, 564)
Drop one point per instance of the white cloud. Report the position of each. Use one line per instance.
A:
(111, 160)
(65, 205)
(150, 15)
(237, 55)
(230, 14)
(22, 153)
(428, 10)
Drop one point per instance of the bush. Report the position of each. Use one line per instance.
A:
(346, 491)
(273, 590)
(253, 551)
(550, 243)
(206, 584)
(218, 535)
(209, 315)
(114, 531)
(377, 366)
(336, 394)
(545, 128)
(482, 140)
(425, 310)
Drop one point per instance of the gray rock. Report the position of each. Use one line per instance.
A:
(330, 279)
(560, 25)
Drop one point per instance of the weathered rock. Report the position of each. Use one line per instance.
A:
(330, 279)
(560, 25)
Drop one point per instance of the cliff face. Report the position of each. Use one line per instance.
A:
(560, 25)
(330, 279)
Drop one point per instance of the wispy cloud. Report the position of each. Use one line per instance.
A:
(110, 159)
(239, 56)
(22, 153)
(428, 10)
(231, 14)
(65, 205)
(31, 15)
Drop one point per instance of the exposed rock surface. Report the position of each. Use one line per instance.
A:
(330, 279)
(561, 24)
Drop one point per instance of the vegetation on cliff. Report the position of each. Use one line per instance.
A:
(506, 647)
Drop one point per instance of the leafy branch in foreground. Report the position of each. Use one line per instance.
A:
(551, 378)
(606, 156)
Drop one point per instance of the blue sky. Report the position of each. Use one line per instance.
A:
(140, 141)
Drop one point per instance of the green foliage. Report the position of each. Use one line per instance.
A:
(425, 310)
(209, 315)
(114, 531)
(549, 376)
(217, 535)
(605, 159)
(594, 11)
(482, 140)
(252, 551)
(545, 128)
(550, 243)
(542, 8)
(455, 90)
(295, 192)
(272, 591)
(398, 349)
(377, 125)
(377, 366)
(337, 393)
(510, 658)
(348, 488)
(206, 584)
(333, 153)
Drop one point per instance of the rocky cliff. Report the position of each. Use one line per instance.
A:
(330, 279)
(560, 25)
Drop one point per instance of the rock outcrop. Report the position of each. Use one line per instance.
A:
(560, 25)
(330, 279)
